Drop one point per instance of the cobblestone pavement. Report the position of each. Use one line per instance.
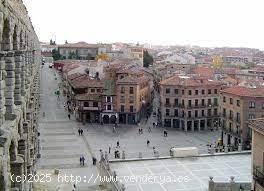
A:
(61, 146)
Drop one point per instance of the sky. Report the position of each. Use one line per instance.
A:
(210, 23)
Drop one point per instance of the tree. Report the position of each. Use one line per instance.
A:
(147, 59)
(56, 54)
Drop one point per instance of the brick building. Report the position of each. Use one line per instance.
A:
(239, 105)
(189, 103)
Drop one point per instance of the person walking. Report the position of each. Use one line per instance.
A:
(69, 116)
(81, 131)
(117, 144)
(109, 150)
(80, 160)
(114, 129)
(148, 142)
(83, 159)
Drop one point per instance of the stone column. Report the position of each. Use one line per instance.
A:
(192, 125)
(10, 84)
(23, 74)
(27, 81)
(2, 87)
(18, 60)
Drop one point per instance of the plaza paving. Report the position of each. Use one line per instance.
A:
(182, 174)
(101, 137)
(61, 146)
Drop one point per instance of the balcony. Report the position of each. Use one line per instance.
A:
(90, 108)
(258, 176)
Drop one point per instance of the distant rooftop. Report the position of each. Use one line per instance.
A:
(78, 45)
(245, 91)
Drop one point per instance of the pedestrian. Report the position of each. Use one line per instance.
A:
(153, 125)
(115, 154)
(69, 116)
(83, 159)
(148, 142)
(80, 160)
(141, 131)
(109, 150)
(114, 129)
(117, 144)
(81, 131)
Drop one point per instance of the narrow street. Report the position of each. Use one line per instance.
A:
(61, 146)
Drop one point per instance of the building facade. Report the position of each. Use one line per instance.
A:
(20, 59)
(189, 103)
(238, 106)
(257, 154)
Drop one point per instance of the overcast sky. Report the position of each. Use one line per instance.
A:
(194, 22)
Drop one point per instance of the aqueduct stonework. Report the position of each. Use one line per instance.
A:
(19, 95)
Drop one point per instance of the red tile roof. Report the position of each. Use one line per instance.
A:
(204, 71)
(189, 81)
(245, 91)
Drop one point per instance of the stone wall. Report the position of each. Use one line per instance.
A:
(20, 59)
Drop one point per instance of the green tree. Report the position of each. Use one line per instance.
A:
(147, 59)
(56, 54)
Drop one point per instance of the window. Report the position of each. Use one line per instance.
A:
(231, 101)
(215, 101)
(196, 102)
(182, 92)
(108, 99)
(196, 92)
(238, 103)
(122, 90)
(238, 117)
(215, 91)
(189, 114)
(176, 91)
(209, 91)
(86, 104)
(231, 114)
(183, 102)
(109, 107)
(131, 108)
(122, 108)
(131, 99)
(224, 99)
(203, 92)
(95, 104)
(202, 113)
(92, 90)
(167, 112)
(176, 112)
(98, 90)
(252, 104)
(224, 112)
(167, 90)
(251, 116)
(189, 103)
(209, 112)
(190, 92)
(176, 102)
(209, 102)
(196, 113)
(215, 112)
(203, 102)
(167, 101)
(131, 90)
(122, 99)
